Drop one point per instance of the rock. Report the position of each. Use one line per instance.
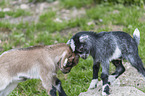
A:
(116, 91)
(100, 20)
(24, 6)
(58, 20)
(128, 84)
(91, 23)
(6, 9)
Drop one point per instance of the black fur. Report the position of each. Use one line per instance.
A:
(108, 46)
(57, 87)
(53, 91)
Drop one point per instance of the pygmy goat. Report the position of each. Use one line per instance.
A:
(40, 62)
(105, 47)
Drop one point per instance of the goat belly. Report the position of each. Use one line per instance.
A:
(31, 73)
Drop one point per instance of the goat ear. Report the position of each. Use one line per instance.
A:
(72, 44)
(65, 62)
(63, 59)
(83, 38)
(68, 42)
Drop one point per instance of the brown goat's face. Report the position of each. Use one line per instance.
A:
(71, 60)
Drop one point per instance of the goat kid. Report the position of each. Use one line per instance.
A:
(40, 62)
(105, 47)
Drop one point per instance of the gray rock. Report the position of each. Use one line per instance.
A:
(6, 9)
(24, 6)
(128, 84)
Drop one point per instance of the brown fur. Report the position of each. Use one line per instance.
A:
(33, 62)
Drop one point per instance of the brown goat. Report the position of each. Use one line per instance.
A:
(40, 62)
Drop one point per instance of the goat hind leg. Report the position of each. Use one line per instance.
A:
(9, 88)
(59, 87)
(119, 70)
(4, 82)
(53, 91)
(137, 63)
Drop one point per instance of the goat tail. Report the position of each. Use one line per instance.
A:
(136, 36)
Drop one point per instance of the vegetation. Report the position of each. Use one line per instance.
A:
(102, 17)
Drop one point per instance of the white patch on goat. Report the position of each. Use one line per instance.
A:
(104, 93)
(72, 44)
(58, 87)
(65, 62)
(83, 38)
(93, 84)
(84, 55)
(111, 78)
(63, 55)
(116, 54)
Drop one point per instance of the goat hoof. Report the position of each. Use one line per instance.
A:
(93, 84)
(105, 90)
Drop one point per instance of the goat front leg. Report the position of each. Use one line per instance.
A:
(47, 81)
(104, 77)
(59, 87)
(94, 81)
(51, 83)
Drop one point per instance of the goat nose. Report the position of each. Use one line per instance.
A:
(84, 56)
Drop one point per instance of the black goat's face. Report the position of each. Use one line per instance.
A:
(80, 46)
(82, 50)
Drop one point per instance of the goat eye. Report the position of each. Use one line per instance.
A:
(81, 49)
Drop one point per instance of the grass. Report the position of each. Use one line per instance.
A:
(76, 3)
(14, 14)
(47, 31)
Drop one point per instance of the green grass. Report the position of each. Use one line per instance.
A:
(3, 3)
(15, 14)
(47, 31)
(76, 3)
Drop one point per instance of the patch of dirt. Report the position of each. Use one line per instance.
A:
(128, 84)
(66, 14)
(20, 19)
(35, 9)
(39, 8)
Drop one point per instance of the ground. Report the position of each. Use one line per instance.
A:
(128, 84)
(24, 24)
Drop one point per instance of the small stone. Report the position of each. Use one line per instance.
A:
(58, 20)
(24, 6)
(100, 20)
(6, 9)
(90, 23)
(115, 12)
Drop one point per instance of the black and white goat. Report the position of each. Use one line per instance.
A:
(39, 62)
(105, 47)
